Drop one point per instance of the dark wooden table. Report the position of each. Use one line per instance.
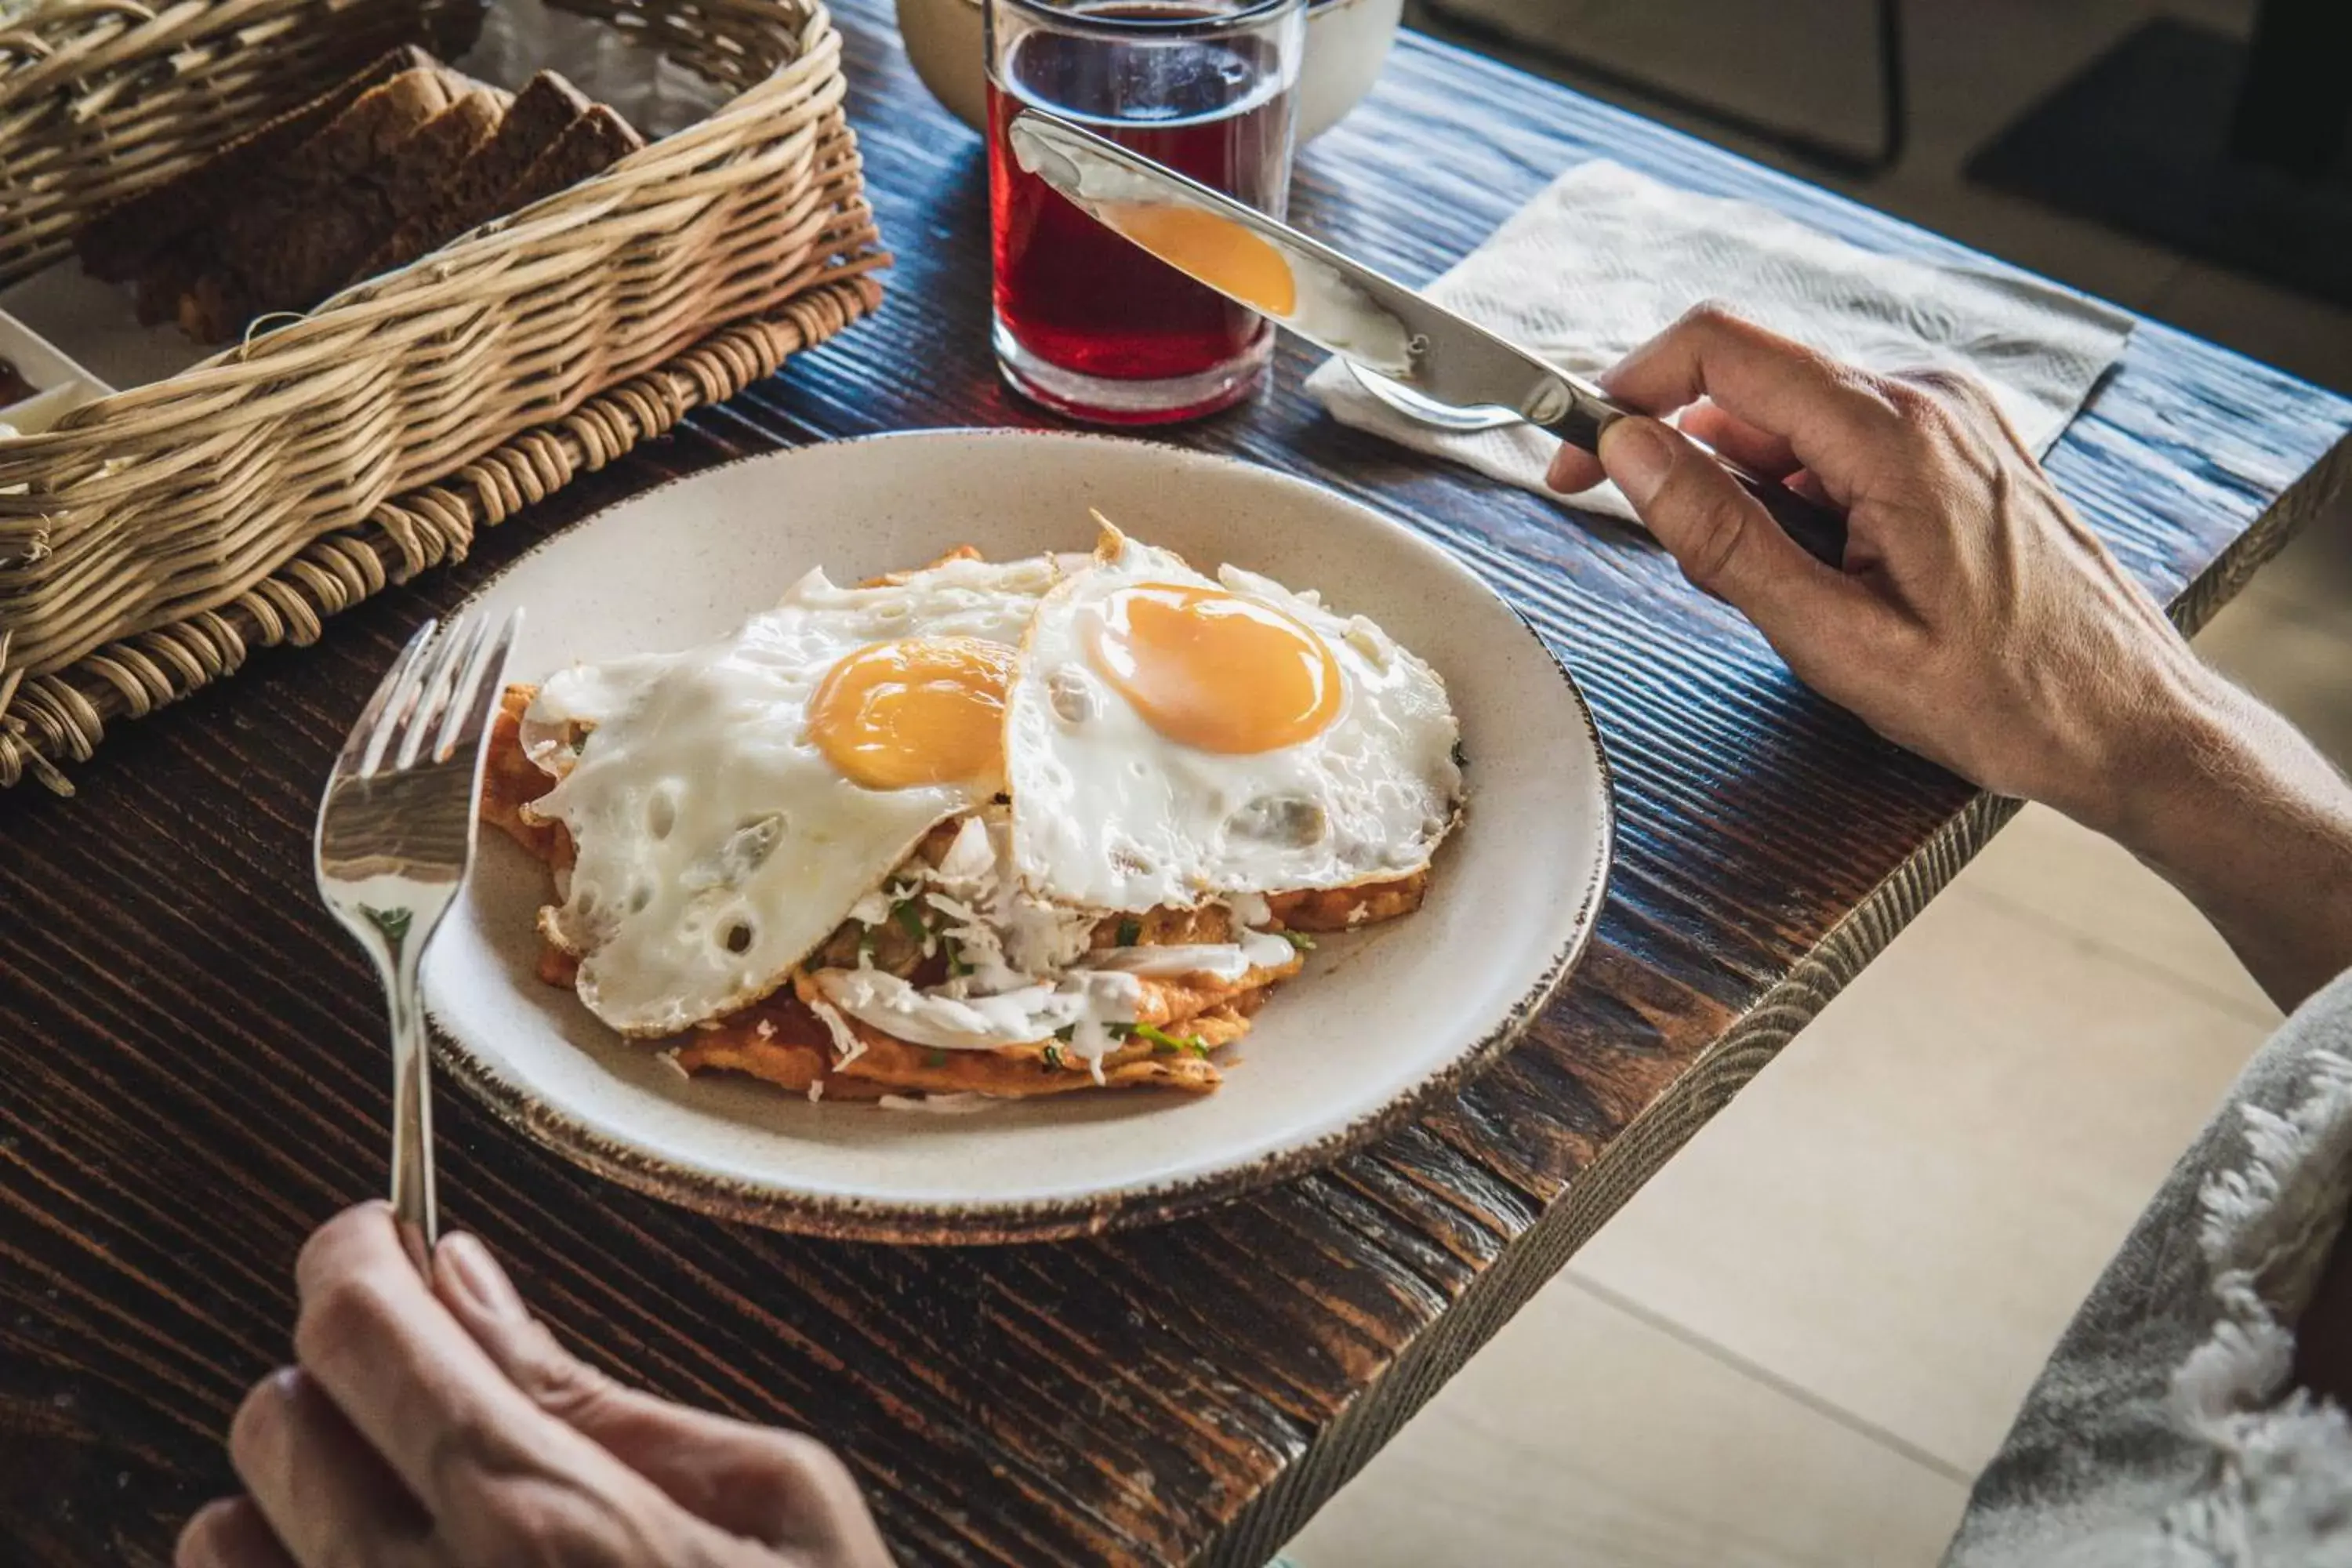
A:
(195, 1068)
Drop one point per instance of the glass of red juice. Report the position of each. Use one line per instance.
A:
(1085, 323)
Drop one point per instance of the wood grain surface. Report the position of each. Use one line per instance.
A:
(195, 1070)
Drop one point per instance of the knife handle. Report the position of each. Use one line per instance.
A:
(1817, 530)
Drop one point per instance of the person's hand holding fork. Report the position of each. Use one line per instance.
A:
(438, 1422)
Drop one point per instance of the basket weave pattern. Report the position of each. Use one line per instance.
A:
(158, 534)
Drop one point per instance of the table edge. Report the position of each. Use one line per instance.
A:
(1345, 1444)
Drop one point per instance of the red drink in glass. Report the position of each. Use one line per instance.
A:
(1084, 323)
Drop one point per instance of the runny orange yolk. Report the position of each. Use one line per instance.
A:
(1216, 250)
(1213, 671)
(921, 711)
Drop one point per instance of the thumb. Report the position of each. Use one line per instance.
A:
(1724, 540)
(778, 1488)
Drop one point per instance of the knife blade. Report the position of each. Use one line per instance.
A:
(1342, 306)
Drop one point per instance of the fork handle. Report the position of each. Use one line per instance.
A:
(413, 1211)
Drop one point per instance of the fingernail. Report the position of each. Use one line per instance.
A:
(1561, 476)
(200, 1544)
(476, 1275)
(1639, 456)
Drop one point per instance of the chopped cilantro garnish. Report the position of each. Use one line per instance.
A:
(1162, 1041)
(1130, 932)
(1297, 938)
(909, 918)
(1053, 1055)
(935, 1059)
(956, 965)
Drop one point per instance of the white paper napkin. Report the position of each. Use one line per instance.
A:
(1606, 256)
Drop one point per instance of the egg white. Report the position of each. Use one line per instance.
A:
(1109, 813)
(717, 846)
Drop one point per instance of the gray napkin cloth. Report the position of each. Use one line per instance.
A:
(1605, 257)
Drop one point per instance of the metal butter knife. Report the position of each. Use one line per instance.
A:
(1344, 307)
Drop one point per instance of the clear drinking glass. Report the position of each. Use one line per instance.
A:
(1084, 323)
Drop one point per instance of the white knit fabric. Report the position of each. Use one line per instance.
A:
(2165, 1429)
(1606, 256)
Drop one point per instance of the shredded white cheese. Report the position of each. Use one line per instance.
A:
(844, 1038)
(962, 1104)
(1083, 1001)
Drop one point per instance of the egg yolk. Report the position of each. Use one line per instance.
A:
(1217, 251)
(1214, 671)
(921, 711)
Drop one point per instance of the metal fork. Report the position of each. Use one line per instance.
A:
(396, 835)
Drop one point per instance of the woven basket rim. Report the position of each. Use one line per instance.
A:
(157, 535)
(243, 365)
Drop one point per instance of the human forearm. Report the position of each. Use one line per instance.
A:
(1975, 620)
(2227, 802)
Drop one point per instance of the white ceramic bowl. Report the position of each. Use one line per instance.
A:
(1382, 1021)
(1347, 42)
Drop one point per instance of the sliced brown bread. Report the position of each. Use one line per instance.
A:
(331, 203)
(402, 167)
(264, 226)
(426, 162)
(474, 191)
(589, 145)
(379, 121)
(118, 243)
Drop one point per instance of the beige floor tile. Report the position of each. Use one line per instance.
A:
(2092, 895)
(2294, 331)
(2298, 660)
(1585, 1436)
(2313, 575)
(1902, 1212)
(1812, 65)
(1809, 64)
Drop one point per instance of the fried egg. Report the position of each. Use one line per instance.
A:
(729, 804)
(1172, 739)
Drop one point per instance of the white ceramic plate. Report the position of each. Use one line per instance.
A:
(1380, 1023)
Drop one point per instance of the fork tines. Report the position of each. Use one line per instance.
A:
(443, 685)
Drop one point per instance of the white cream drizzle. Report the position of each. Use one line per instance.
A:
(1225, 962)
(1085, 1000)
(1030, 973)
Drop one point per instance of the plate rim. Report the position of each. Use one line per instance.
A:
(843, 1217)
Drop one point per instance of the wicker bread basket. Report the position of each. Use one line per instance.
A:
(156, 535)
